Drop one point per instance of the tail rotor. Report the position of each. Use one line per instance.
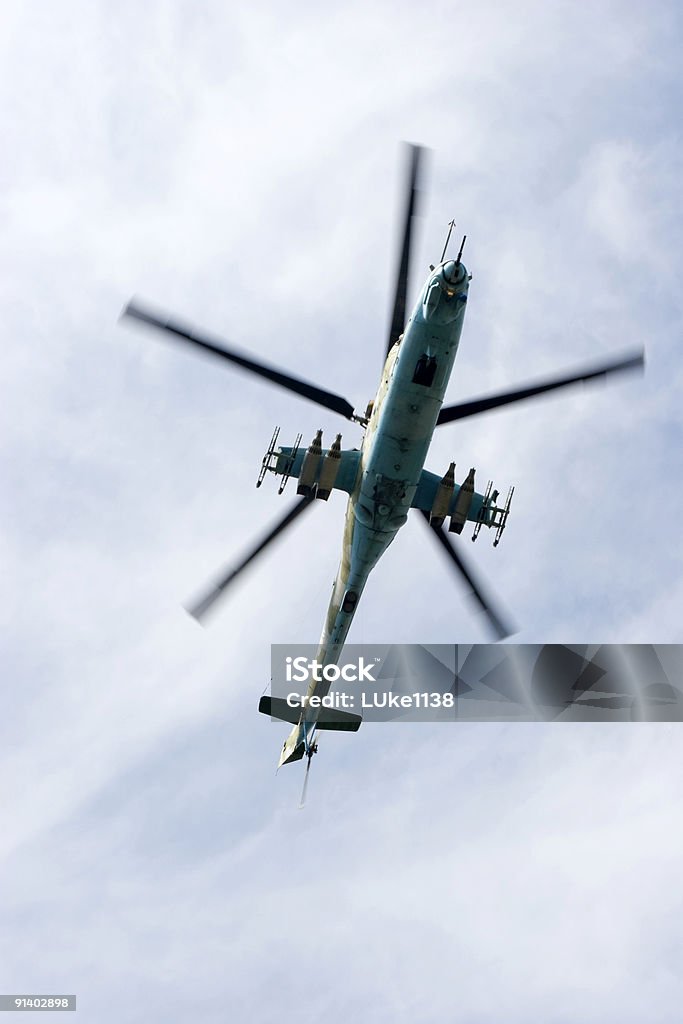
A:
(311, 749)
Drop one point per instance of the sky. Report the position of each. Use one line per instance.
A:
(240, 166)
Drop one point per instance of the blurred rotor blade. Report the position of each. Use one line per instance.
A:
(217, 347)
(477, 405)
(398, 316)
(497, 621)
(200, 607)
(304, 790)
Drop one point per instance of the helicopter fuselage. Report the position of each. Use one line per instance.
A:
(395, 446)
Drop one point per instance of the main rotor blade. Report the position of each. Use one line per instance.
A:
(217, 347)
(200, 607)
(398, 316)
(477, 405)
(497, 621)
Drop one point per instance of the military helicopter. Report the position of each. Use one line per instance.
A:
(385, 479)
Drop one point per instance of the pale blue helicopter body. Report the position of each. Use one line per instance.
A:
(397, 439)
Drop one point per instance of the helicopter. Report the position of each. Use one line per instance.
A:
(385, 478)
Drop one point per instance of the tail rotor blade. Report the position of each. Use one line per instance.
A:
(398, 315)
(498, 623)
(200, 607)
(207, 343)
(635, 361)
(305, 786)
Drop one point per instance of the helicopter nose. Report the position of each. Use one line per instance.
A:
(453, 272)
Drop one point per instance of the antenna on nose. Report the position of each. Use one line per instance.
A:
(462, 246)
(448, 238)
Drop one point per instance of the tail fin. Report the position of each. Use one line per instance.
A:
(328, 718)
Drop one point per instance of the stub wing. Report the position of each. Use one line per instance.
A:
(343, 477)
(440, 498)
(426, 494)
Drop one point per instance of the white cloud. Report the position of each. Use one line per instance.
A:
(240, 168)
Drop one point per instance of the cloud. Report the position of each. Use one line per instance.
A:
(240, 168)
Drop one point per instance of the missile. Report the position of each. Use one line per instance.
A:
(462, 504)
(442, 498)
(309, 468)
(329, 470)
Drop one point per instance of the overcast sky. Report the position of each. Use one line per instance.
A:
(242, 168)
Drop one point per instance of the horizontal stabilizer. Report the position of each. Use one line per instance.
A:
(338, 721)
(327, 718)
